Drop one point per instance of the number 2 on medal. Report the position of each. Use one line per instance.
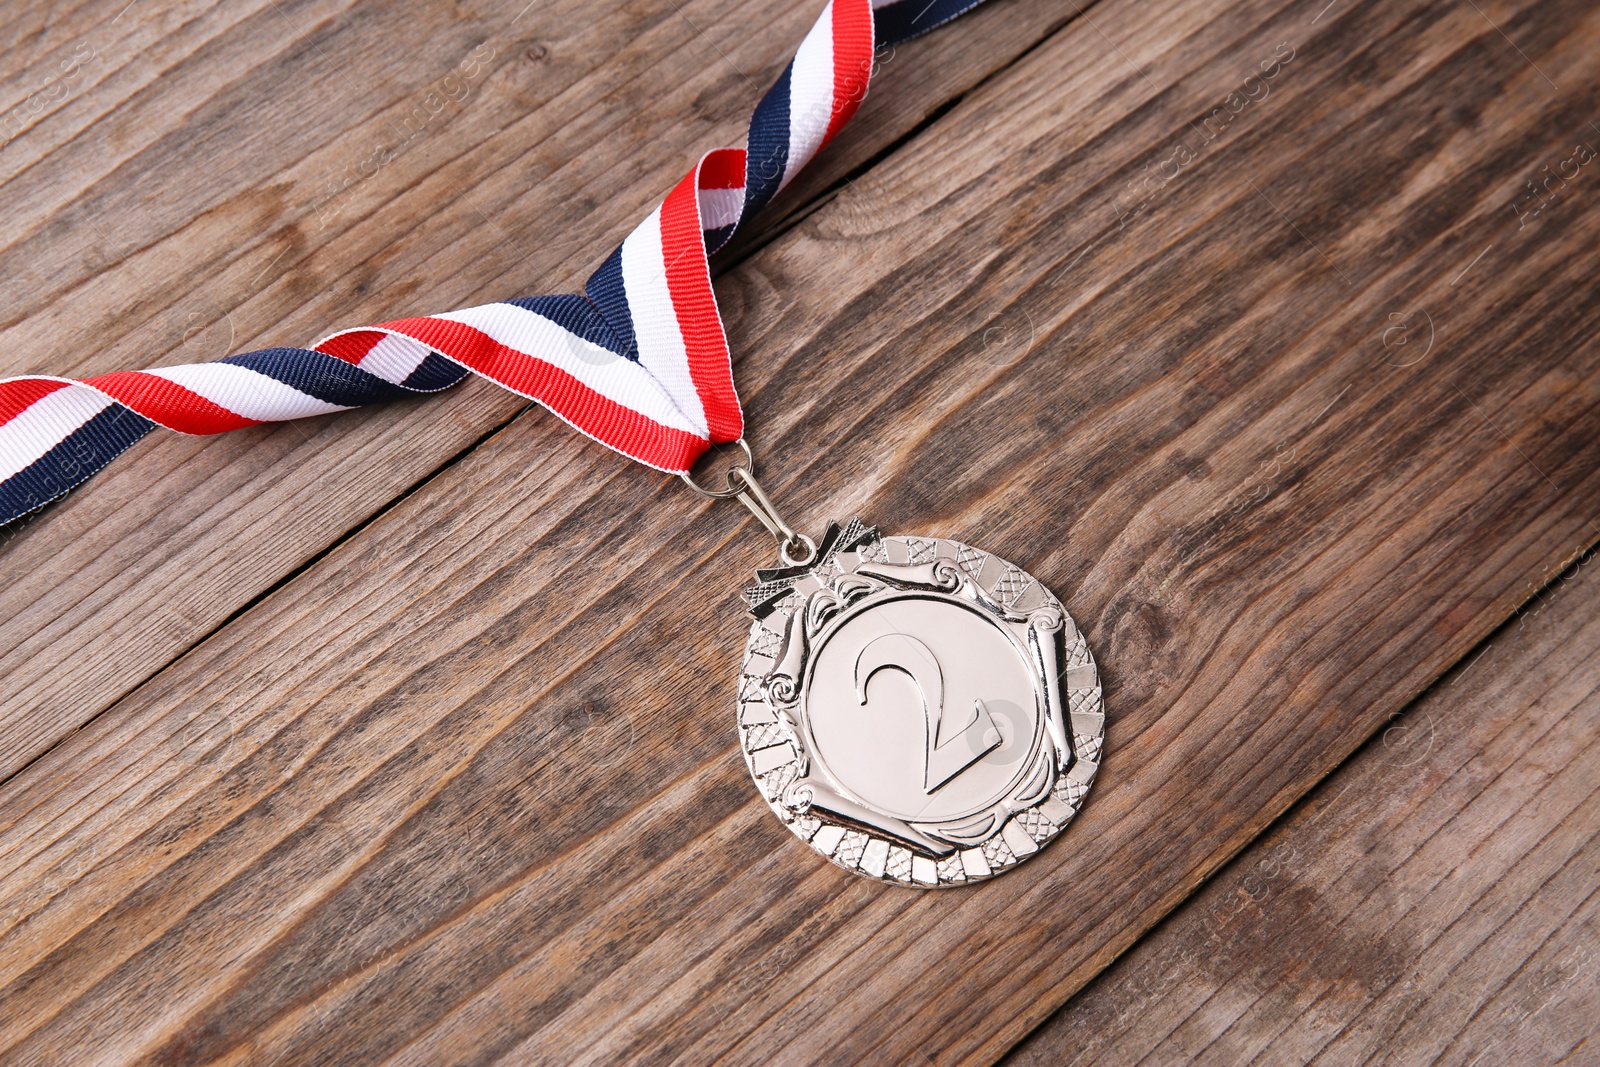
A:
(944, 757)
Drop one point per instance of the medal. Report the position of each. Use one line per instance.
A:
(918, 710)
(913, 708)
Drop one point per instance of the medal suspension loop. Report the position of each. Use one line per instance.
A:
(795, 549)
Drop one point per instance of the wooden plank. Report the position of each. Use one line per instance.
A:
(462, 791)
(1432, 902)
(211, 179)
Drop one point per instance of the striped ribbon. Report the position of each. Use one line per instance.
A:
(639, 362)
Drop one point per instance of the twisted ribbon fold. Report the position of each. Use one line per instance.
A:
(639, 362)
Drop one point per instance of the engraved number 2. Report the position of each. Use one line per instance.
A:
(949, 751)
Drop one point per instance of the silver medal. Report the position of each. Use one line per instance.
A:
(917, 710)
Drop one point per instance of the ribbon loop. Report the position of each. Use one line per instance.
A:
(639, 362)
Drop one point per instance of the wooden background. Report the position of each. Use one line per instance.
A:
(406, 734)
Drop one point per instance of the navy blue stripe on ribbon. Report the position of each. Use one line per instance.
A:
(434, 373)
(583, 316)
(718, 236)
(331, 380)
(72, 462)
(609, 295)
(767, 147)
(896, 23)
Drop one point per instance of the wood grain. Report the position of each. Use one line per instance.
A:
(1432, 902)
(208, 180)
(465, 788)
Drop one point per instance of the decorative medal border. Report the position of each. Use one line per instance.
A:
(776, 753)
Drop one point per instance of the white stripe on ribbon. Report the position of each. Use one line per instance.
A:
(655, 320)
(394, 358)
(720, 207)
(45, 423)
(810, 94)
(245, 392)
(612, 376)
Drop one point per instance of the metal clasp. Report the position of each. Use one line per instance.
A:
(795, 549)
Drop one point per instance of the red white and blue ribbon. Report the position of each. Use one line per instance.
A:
(639, 362)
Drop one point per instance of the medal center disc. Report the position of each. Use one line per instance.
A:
(922, 707)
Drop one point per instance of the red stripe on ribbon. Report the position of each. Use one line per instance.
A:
(694, 303)
(723, 168)
(168, 403)
(852, 61)
(20, 395)
(591, 412)
(351, 347)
